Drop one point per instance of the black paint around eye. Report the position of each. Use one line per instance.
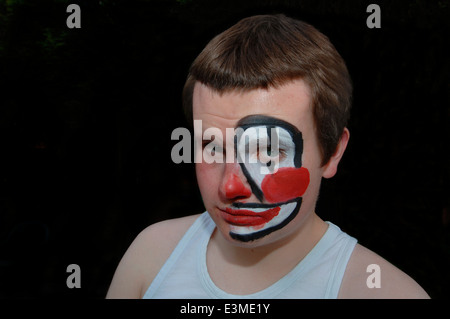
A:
(272, 122)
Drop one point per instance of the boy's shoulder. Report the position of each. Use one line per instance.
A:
(370, 276)
(146, 256)
(158, 242)
(170, 230)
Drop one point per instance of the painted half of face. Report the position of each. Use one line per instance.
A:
(278, 183)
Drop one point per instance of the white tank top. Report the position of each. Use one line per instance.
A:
(318, 275)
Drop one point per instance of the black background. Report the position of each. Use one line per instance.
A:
(86, 117)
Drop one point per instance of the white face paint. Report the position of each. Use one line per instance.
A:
(272, 165)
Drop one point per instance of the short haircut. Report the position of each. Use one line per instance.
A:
(268, 51)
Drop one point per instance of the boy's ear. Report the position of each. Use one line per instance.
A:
(330, 169)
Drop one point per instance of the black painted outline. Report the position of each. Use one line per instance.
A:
(297, 138)
(272, 122)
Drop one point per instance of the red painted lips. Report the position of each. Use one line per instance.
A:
(244, 217)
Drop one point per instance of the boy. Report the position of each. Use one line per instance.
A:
(280, 84)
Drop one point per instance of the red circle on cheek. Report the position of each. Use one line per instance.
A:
(286, 184)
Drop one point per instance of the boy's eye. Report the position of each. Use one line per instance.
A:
(213, 152)
(205, 143)
(217, 149)
(282, 154)
(268, 151)
(213, 147)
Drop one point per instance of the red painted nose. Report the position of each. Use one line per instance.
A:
(235, 188)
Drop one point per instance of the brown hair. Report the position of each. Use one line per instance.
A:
(268, 51)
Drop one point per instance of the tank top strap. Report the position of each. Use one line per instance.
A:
(343, 247)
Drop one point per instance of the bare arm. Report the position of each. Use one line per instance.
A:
(393, 283)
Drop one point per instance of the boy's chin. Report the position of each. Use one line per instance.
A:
(255, 242)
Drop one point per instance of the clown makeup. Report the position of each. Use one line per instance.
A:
(279, 188)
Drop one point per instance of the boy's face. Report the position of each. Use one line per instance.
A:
(255, 203)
